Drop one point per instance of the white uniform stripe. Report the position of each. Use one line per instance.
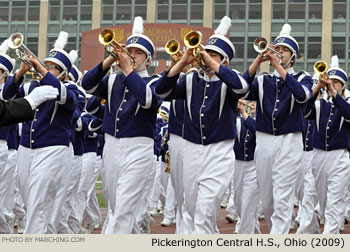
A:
(189, 78)
(222, 97)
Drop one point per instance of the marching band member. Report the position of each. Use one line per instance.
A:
(306, 192)
(209, 125)
(279, 121)
(331, 141)
(45, 140)
(176, 150)
(245, 185)
(128, 124)
(12, 112)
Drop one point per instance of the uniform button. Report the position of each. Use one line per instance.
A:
(202, 115)
(33, 130)
(117, 130)
(247, 135)
(307, 139)
(208, 85)
(274, 118)
(124, 100)
(32, 141)
(120, 109)
(306, 146)
(205, 97)
(35, 119)
(204, 137)
(331, 113)
(246, 141)
(330, 121)
(276, 109)
(274, 129)
(202, 126)
(246, 148)
(332, 105)
(203, 106)
(117, 119)
(126, 90)
(277, 100)
(327, 127)
(327, 145)
(278, 91)
(246, 155)
(37, 110)
(327, 136)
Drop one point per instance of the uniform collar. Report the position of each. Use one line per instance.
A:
(143, 73)
(289, 70)
(207, 78)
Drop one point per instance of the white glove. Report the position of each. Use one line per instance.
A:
(41, 94)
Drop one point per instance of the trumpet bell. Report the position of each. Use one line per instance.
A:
(320, 67)
(172, 46)
(192, 39)
(16, 40)
(260, 44)
(106, 36)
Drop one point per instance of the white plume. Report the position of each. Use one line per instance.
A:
(61, 40)
(73, 54)
(334, 61)
(223, 27)
(286, 29)
(138, 26)
(4, 46)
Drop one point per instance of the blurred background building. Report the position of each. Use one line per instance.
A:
(321, 27)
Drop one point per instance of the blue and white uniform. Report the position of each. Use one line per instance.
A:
(306, 192)
(129, 124)
(330, 163)
(279, 122)
(245, 185)
(43, 148)
(210, 129)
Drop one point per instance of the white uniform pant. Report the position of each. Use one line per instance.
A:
(207, 170)
(62, 195)
(77, 216)
(246, 196)
(306, 214)
(331, 171)
(176, 150)
(231, 206)
(170, 203)
(45, 174)
(347, 201)
(92, 213)
(127, 163)
(278, 160)
(69, 205)
(4, 213)
(18, 208)
(158, 189)
(143, 218)
(9, 179)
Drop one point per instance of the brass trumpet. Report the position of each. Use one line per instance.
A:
(172, 47)
(320, 67)
(16, 42)
(261, 45)
(107, 39)
(193, 40)
(245, 103)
